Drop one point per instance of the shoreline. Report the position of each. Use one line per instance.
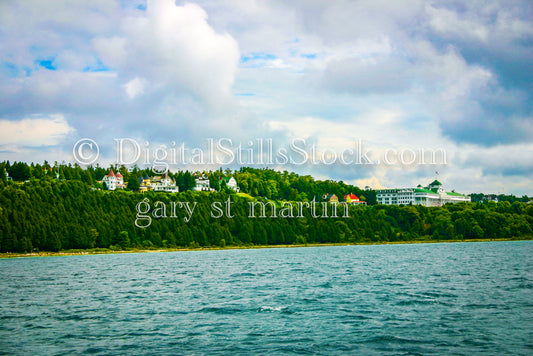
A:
(8, 255)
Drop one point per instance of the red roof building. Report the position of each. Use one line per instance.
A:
(113, 181)
(351, 196)
(353, 199)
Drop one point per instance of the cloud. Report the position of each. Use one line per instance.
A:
(450, 24)
(111, 49)
(472, 105)
(449, 74)
(500, 161)
(135, 87)
(367, 76)
(35, 132)
(175, 47)
(489, 99)
(488, 23)
(167, 57)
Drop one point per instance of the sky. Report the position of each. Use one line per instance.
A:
(387, 81)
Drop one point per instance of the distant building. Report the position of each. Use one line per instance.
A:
(163, 183)
(114, 181)
(432, 195)
(231, 183)
(202, 184)
(352, 199)
(332, 198)
(144, 183)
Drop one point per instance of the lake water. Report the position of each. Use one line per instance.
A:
(463, 298)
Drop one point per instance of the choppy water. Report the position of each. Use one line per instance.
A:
(468, 298)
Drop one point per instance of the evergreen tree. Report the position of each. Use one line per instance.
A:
(133, 183)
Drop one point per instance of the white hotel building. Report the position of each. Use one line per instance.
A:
(432, 195)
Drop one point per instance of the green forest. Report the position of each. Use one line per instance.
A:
(61, 207)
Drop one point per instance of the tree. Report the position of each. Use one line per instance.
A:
(133, 183)
(19, 171)
(123, 239)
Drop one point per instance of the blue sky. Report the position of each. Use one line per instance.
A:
(449, 75)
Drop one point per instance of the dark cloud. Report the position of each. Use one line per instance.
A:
(491, 118)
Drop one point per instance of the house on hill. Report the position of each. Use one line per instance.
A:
(352, 199)
(114, 181)
(332, 198)
(144, 183)
(162, 183)
(202, 184)
(231, 183)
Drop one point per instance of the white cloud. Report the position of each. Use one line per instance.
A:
(175, 47)
(450, 24)
(490, 23)
(35, 132)
(135, 87)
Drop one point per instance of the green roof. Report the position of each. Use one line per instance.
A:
(420, 190)
(435, 182)
(455, 194)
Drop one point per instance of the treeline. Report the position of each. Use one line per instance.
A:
(54, 214)
(291, 186)
(511, 198)
(264, 182)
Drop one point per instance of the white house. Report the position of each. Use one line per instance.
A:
(163, 184)
(432, 195)
(231, 183)
(202, 184)
(113, 181)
